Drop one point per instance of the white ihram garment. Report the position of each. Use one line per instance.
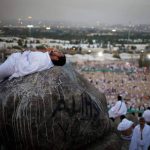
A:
(136, 142)
(118, 110)
(18, 65)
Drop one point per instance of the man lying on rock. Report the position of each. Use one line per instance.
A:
(21, 64)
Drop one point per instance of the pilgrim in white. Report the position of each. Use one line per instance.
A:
(126, 128)
(141, 136)
(146, 115)
(28, 62)
(118, 109)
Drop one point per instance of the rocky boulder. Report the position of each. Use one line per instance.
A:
(53, 109)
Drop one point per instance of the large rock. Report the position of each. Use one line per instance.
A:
(53, 109)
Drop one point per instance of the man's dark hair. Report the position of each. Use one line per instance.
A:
(119, 98)
(122, 117)
(140, 114)
(60, 62)
(148, 108)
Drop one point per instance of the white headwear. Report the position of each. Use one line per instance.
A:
(124, 125)
(146, 115)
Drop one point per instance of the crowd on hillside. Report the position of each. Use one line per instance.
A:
(126, 87)
(119, 77)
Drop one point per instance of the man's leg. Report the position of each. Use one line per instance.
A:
(8, 67)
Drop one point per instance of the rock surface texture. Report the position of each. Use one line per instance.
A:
(53, 109)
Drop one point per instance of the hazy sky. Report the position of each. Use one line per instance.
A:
(104, 11)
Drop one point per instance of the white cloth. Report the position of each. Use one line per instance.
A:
(118, 110)
(146, 115)
(124, 125)
(8, 67)
(28, 62)
(136, 142)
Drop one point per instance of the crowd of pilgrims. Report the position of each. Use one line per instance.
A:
(126, 87)
(119, 77)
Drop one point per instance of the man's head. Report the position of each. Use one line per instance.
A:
(57, 57)
(148, 108)
(122, 117)
(119, 98)
(142, 122)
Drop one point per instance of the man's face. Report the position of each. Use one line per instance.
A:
(142, 122)
(55, 54)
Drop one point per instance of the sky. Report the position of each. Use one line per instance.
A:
(78, 11)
